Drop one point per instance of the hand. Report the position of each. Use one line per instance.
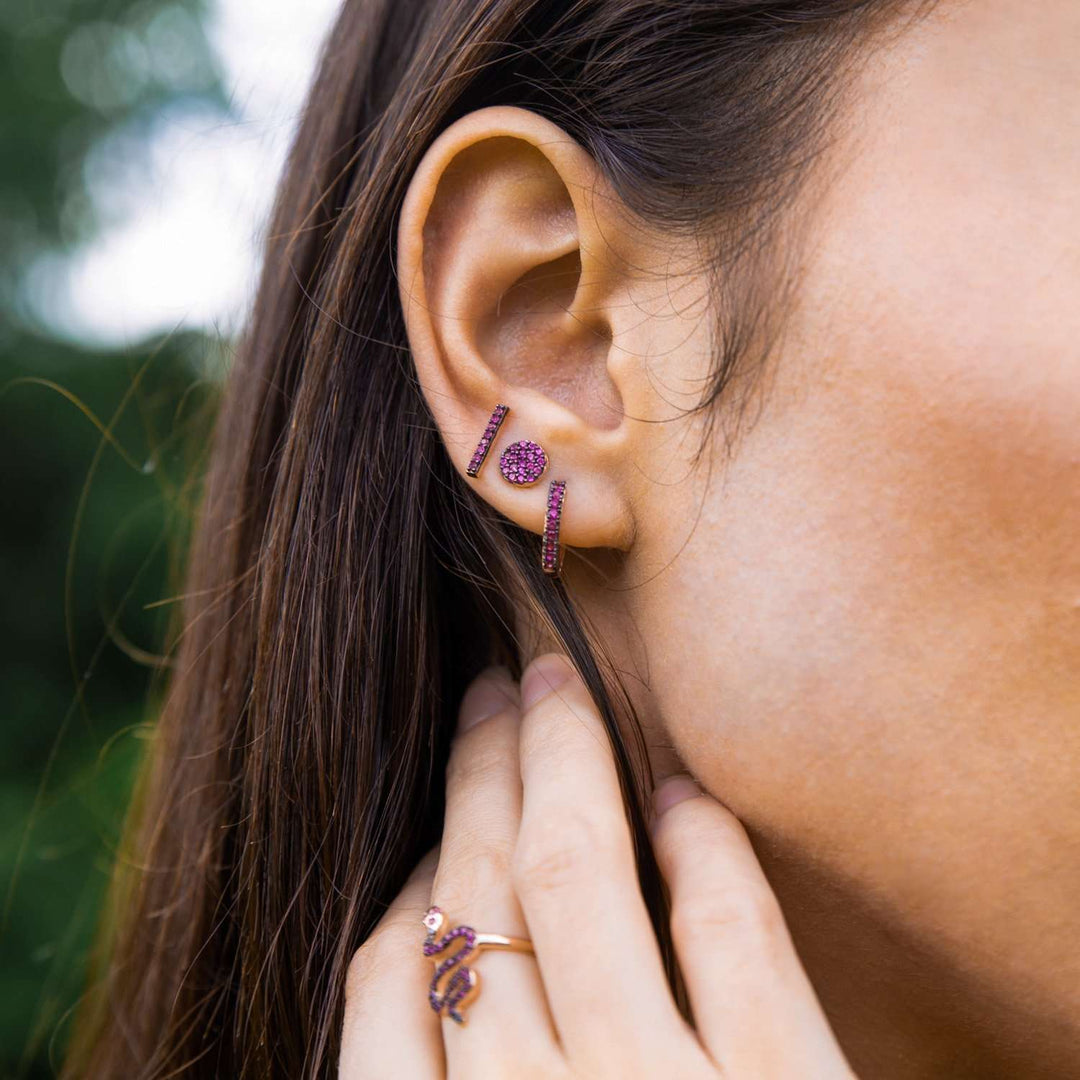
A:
(536, 844)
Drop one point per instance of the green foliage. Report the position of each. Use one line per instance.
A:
(98, 459)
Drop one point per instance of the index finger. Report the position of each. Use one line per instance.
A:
(384, 992)
(575, 874)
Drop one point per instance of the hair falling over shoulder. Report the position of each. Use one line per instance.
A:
(344, 584)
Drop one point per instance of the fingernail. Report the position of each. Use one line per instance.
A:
(490, 692)
(544, 674)
(672, 791)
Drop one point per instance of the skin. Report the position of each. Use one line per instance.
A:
(860, 630)
(552, 852)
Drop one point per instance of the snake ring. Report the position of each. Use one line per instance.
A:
(455, 984)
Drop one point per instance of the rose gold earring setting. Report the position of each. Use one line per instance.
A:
(551, 552)
(484, 445)
(522, 464)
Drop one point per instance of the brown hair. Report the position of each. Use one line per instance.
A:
(345, 584)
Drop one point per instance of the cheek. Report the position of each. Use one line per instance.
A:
(869, 646)
(885, 591)
(885, 587)
(871, 638)
(864, 635)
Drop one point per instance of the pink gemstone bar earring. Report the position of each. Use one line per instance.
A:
(551, 554)
(484, 445)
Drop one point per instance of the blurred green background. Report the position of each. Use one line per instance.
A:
(99, 465)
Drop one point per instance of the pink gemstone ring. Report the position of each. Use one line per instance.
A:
(455, 985)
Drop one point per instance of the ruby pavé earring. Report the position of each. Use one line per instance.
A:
(522, 464)
(484, 445)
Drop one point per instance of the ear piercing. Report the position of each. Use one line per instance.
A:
(522, 464)
(484, 445)
(551, 554)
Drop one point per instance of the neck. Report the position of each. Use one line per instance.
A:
(902, 1007)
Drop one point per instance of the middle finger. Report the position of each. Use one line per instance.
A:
(576, 876)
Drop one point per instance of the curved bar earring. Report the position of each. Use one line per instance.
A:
(551, 552)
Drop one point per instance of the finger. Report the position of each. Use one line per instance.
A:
(384, 992)
(742, 973)
(506, 1022)
(575, 872)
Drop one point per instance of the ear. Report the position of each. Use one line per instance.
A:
(517, 267)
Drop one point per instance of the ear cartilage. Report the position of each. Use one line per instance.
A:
(551, 554)
(484, 445)
(523, 462)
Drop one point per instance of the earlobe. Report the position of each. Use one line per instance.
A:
(509, 273)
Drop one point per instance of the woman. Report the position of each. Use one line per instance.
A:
(778, 297)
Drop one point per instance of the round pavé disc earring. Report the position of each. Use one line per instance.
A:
(523, 462)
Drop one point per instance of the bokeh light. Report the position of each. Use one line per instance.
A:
(176, 196)
(140, 146)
